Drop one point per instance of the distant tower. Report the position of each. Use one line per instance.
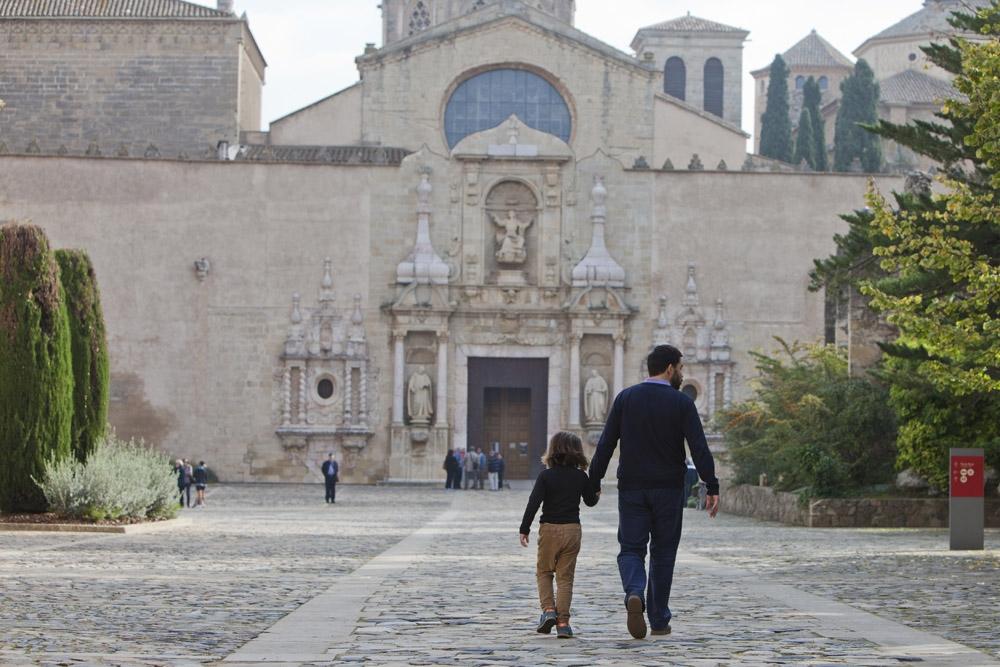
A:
(701, 62)
(402, 19)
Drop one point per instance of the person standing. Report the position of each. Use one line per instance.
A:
(471, 469)
(483, 467)
(493, 466)
(200, 484)
(450, 466)
(651, 421)
(183, 481)
(331, 475)
(460, 457)
(501, 466)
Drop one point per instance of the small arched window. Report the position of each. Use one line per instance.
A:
(714, 86)
(675, 78)
(800, 82)
(824, 83)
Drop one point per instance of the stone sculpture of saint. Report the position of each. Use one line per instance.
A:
(510, 238)
(419, 397)
(595, 398)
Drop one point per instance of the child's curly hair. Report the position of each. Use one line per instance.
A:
(565, 449)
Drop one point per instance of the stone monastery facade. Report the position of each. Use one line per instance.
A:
(475, 245)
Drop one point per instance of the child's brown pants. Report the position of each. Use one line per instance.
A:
(558, 547)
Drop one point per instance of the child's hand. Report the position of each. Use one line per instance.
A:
(524, 540)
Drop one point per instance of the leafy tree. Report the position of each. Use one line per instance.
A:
(811, 425)
(931, 265)
(36, 375)
(812, 97)
(775, 126)
(89, 350)
(858, 108)
(805, 141)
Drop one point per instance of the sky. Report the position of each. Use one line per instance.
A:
(310, 45)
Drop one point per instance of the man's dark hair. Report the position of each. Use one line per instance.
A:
(661, 357)
(201, 463)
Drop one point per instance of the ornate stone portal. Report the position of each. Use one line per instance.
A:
(325, 379)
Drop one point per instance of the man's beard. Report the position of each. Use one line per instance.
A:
(676, 381)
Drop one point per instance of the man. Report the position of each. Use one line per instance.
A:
(331, 472)
(471, 469)
(200, 484)
(483, 465)
(651, 420)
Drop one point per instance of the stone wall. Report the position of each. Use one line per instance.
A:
(171, 83)
(766, 504)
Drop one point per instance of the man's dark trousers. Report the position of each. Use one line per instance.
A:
(652, 515)
(331, 489)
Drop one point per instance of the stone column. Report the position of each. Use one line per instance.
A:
(398, 379)
(286, 397)
(303, 400)
(441, 409)
(348, 395)
(574, 380)
(619, 364)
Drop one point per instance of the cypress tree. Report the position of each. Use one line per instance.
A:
(89, 350)
(858, 108)
(805, 141)
(775, 126)
(36, 374)
(812, 98)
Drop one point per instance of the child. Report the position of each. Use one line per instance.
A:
(558, 490)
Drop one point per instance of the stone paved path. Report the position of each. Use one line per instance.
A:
(268, 575)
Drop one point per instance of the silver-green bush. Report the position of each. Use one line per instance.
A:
(119, 480)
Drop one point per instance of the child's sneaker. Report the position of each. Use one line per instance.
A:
(564, 631)
(546, 622)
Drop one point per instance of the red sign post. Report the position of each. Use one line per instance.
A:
(966, 508)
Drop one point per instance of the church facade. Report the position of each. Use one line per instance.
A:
(474, 246)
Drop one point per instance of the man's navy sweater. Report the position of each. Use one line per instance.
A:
(652, 420)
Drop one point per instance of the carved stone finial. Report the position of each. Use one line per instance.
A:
(640, 163)
(668, 165)
(202, 267)
(598, 267)
(151, 152)
(661, 321)
(599, 195)
(93, 150)
(695, 163)
(804, 165)
(748, 164)
(122, 150)
(719, 321)
(62, 150)
(423, 265)
(357, 317)
(296, 316)
(722, 166)
(424, 189)
(33, 147)
(691, 288)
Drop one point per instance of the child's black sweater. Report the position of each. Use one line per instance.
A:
(560, 489)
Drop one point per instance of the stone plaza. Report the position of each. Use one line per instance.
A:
(269, 575)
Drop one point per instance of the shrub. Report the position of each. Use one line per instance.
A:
(89, 350)
(36, 376)
(812, 426)
(118, 480)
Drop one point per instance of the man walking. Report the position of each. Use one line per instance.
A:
(651, 420)
(331, 475)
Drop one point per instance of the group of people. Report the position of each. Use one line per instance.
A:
(188, 476)
(464, 469)
(650, 422)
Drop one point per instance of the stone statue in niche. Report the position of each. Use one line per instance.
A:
(419, 397)
(595, 398)
(510, 237)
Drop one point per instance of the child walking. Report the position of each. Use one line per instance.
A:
(558, 490)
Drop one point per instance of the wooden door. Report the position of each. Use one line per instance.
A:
(507, 428)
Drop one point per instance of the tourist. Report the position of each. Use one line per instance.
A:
(460, 456)
(493, 466)
(331, 475)
(451, 470)
(501, 466)
(558, 490)
(483, 468)
(183, 481)
(200, 484)
(652, 420)
(471, 468)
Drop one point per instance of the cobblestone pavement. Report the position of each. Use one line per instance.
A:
(257, 553)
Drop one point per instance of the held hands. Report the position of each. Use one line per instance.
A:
(712, 506)
(524, 540)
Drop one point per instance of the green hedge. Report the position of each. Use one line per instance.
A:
(36, 376)
(89, 350)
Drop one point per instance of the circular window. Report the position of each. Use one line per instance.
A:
(690, 391)
(486, 100)
(913, 57)
(324, 388)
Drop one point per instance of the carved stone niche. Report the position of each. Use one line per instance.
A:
(511, 240)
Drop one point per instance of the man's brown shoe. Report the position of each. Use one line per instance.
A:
(636, 620)
(661, 631)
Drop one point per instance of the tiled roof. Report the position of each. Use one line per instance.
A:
(106, 9)
(325, 154)
(814, 51)
(913, 87)
(691, 24)
(932, 19)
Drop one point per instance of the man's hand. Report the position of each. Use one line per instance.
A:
(712, 506)
(524, 540)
